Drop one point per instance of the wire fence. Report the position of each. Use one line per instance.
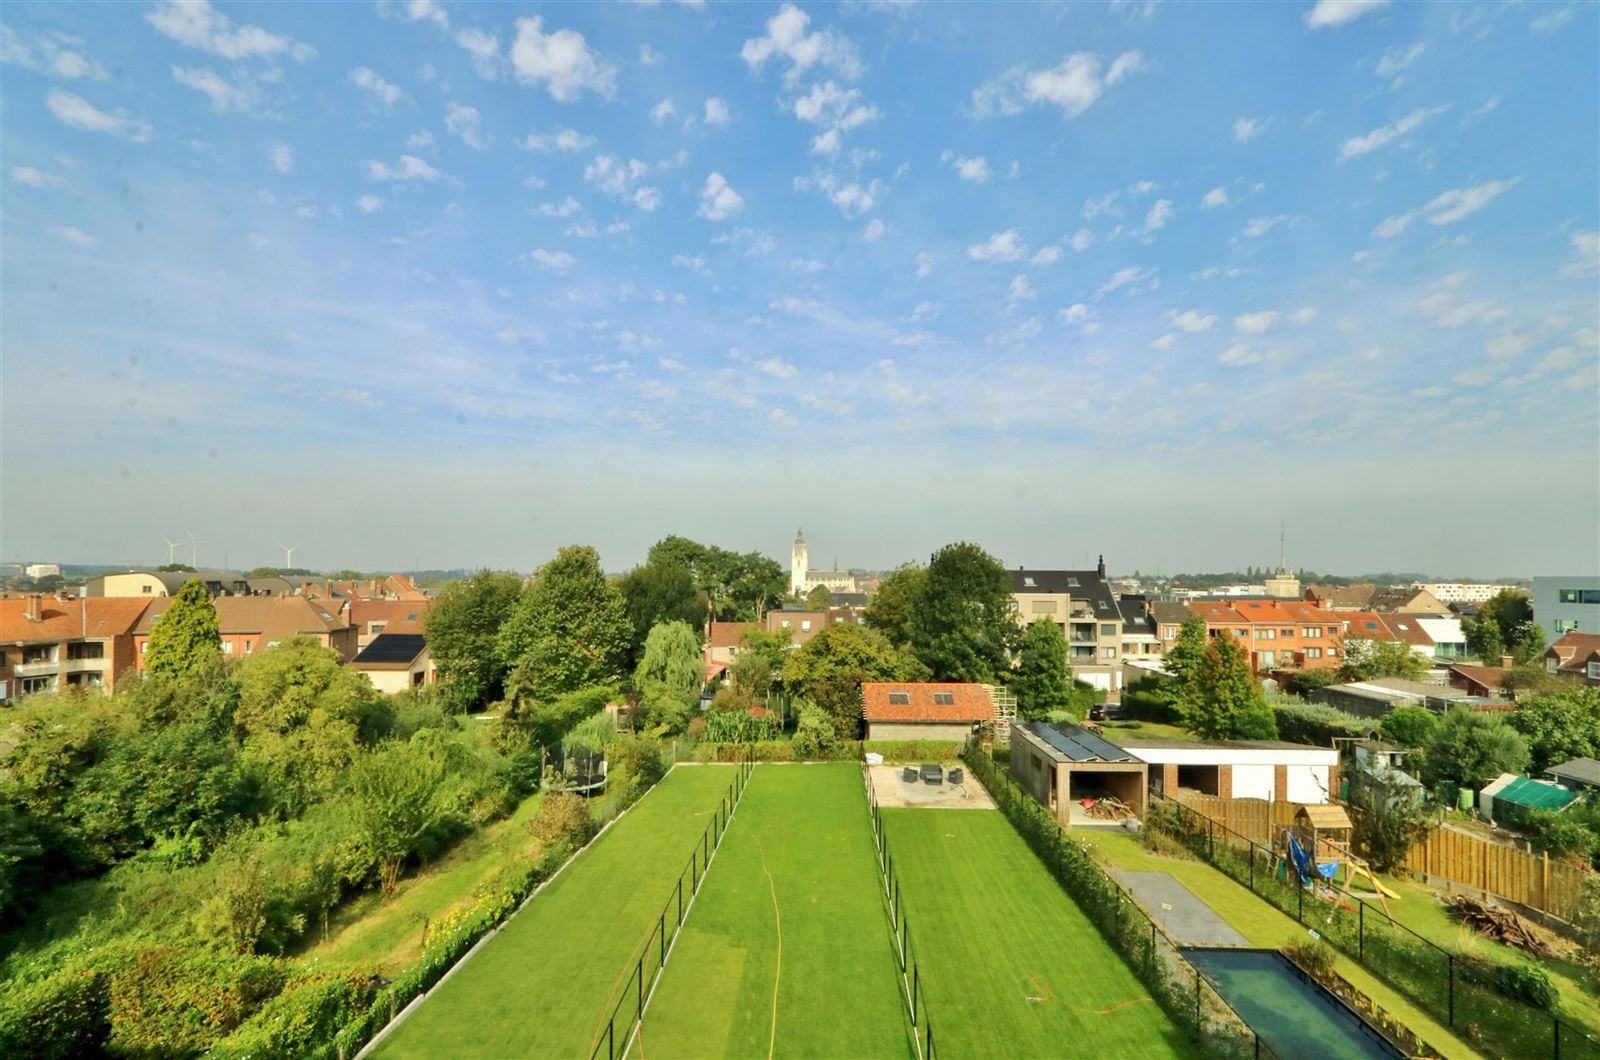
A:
(1188, 998)
(915, 995)
(650, 958)
(1468, 994)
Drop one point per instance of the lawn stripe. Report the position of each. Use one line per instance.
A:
(533, 988)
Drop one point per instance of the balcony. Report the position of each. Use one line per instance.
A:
(37, 669)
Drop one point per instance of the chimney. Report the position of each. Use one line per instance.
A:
(1506, 662)
(35, 607)
(1102, 567)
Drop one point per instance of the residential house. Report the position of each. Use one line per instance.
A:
(1169, 617)
(924, 710)
(249, 624)
(1355, 597)
(1140, 637)
(50, 643)
(1081, 602)
(1406, 599)
(1278, 634)
(1578, 774)
(1449, 640)
(372, 617)
(803, 625)
(723, 640)
(1566, 604)
(1482, 681)
(1575, 655)
(394, 662)
(1394, 627)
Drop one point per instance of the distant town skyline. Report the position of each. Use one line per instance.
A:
(447, 285)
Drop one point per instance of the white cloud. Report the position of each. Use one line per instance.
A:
(75, 235)
(777, 367)
(1158, 216)
(419, 139)
(924, 265)
(1020, 290)
(462, 121)
(35, 178)
(563, 140)
(1339, 12)
(1386, 134)
(1255, 323)
(975, 170)
(1304, 315)
(1081, 240)
(1398, 59)
(1585, 254)
(224, 95)
(1553, 19)
(369, 204)
(566, 208)
(696, 264)
(1074, 314)
(376, 88)
(282, 157)
(560, 60)
(1260, 226)
(672, 364)
(827, 143)
(81, 114)
(716, 111)
(1247, 129)
(1133, 274)
(1001, 247)
(648, 56)
(1076, 84)
(196, 24)
(424, 10)
(1165, 342)
(1390, 227)
(410, 167)
(809, 265)
(621, 179)
(553, 260)
(780, 418)
(1193, 321)
(1046, 256)
(852, 199)
(874, 230)
(662, 111)
(786, 37)
(1239, 354)
(1459, 203)
(718, 201)
(48, 52)
(1215, 197)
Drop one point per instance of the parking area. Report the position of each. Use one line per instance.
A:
(894, 790)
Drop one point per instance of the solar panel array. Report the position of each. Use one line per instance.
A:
(1079, 745)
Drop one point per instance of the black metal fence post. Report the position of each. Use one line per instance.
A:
(1452, 959)
(916, 984)
(1361, 931)
(680, 900)
(611, 1037)
(661, 925)
(1197, 1006)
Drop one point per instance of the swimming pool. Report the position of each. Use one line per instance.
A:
(1291, 1012)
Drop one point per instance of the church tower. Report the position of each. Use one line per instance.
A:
(798, 563)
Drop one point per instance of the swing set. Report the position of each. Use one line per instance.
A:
(1316, 846)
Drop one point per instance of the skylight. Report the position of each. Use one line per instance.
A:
(900, 698)
(944, 698)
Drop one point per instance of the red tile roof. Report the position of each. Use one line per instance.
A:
(1394, 626)
(57, 618)
(968, 702)
(728, 634)
(1573, 651)
(274, 617)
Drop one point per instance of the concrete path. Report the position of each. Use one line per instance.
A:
(1181, 914)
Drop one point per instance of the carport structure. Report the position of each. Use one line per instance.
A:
(1062, 765)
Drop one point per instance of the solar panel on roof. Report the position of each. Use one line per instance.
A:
(1079, 745)
(392, 648)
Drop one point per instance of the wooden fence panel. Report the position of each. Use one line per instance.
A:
(1530, 879)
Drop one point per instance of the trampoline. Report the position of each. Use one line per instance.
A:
(1291, 1012)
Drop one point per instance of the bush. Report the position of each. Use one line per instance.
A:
(634, 763)
(1151, 699)
(814, 735)
(1526, 982)
(896, 751)
(1314, 955)
(301, 1021)
(562, 816)
(171, 1000)
(1313, 723)
(64, 1015)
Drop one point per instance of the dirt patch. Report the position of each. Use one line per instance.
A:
(893, 790)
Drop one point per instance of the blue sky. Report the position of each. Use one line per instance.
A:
(448, 284)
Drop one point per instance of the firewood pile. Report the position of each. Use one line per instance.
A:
(1498, 923)
(1109, 808)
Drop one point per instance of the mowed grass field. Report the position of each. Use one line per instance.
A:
(544, 985)
(787, 950)
(1011, 966)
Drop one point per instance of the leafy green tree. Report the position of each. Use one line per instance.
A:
(1392, 820)
(1560, 726)
(1184, 656)
(1472, 749)
(401, 794)
(829, 668)
(1530, 678)
(1365, 660)
(751, 673)
(963, 626)
(659, 592)
(670, 675)
(1409, 726)
(1042, 681)
(263, 572)
(175, 568)
(1224, 700)
(185, 638)
(771, 646)
(567, 630)
(462, 627)
(893, 602)
(820, 598)
(1504, 625)
(814, 734)
(739, 585)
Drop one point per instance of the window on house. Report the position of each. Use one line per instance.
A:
(944, 699)
(1241, 634)
(1028, 582)
(901, 699)
(1313, 653)
(805, 625)
(31, 685)
(1372, 625)
(376, 627)
(249, 646)
(1594, 670)
(785, 623)
(144, 646)
(2, 659)
(147, 588)
(1287, 634)
(1565, 625)
(227, 647)
(1267, 660)
(1569, 596)
(1311, 632)
(1266, 634)
(86, 650)
(1108, 629)
(1108, 653)
(1072, 583)
(1333, 653)
(41, 653)
(1169, 632)
(1591, 596)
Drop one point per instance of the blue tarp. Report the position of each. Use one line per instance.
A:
(1302, 862)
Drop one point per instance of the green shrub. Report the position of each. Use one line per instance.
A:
(562, 816)
(301, 1021)
(1314, 723)
(1314, 955)
(64, 1015)
(170, 1000)
(1527, 982)
(814, 734)
(896, 751)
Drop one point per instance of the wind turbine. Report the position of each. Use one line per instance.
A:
(194, 549)
(172, 548)
(288, 555)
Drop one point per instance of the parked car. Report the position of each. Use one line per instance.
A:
(932, 773)
(1106, 712)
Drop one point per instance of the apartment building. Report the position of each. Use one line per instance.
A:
(1459, 592)
(150, 584)
(1566, 604)
(803, 625)
(1278, 634)
(1082, 603)
(250, 624)
(50, 643)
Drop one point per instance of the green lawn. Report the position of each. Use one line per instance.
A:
(1262, 923)
(787, 951)
(545, 984)
(1007, 957)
